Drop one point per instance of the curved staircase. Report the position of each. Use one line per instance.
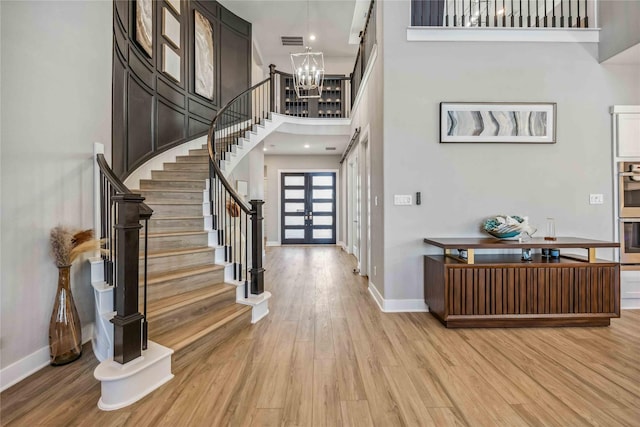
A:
(188, 299)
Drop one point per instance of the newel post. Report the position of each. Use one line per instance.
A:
(257, 272)
(272, 88)
(127, 323)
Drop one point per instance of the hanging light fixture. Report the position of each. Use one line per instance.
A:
(308, 70)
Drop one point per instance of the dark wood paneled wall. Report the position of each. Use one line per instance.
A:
(153, 112)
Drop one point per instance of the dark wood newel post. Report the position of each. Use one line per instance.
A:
(272, 88)
(257, 272)
(127, 323)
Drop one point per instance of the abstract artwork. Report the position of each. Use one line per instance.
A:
(498, 122)
(204, 56)
(144, 25)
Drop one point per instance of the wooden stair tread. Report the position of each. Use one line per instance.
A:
(175, 233)
(166, 190)
(186, 202)
(190, 332)
(177, 218)
(182, 272)
(158, 254)
(173, 180)
(169, 304)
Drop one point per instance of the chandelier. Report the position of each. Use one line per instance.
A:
(308, 73)
(308, 70)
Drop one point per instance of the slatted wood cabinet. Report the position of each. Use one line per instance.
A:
(501, 290)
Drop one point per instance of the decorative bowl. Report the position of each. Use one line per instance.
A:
(508, 227)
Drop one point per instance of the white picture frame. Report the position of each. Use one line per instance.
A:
(175, 5)
(170, 27)
(242, 187)
(502, 122)
(170, 62)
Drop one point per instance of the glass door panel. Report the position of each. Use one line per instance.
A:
(308, 208)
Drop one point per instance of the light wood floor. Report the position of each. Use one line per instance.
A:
(326, 355)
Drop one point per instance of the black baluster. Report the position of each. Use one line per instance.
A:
(455, 16)
(504, 13)
(446, 13)
(570, 17)
(495, 13)
(578, 18)
(520, 17)
(537, 14)
(479, 19)
(553, 18)
(545, 14)
(145, 325)
(586, 15)
(528, 13)
(561, 13)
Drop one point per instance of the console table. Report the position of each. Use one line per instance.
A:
(501, 290)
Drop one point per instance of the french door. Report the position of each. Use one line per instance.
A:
(308, 208)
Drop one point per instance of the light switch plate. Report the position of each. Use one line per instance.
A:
(596, 199)
(402, 199)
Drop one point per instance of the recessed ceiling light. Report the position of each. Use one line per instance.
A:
(312, 37)
(306, 146)
(264, 149)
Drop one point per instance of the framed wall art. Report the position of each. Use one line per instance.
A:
(203, 56)
(144, 25)
(520, 122)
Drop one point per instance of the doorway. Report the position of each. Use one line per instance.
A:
(308, 206)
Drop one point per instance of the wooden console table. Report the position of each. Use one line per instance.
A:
(494, 290)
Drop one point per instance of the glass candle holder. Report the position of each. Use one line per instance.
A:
(551, 230)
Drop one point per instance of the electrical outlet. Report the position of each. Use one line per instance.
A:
(402, 200)
(596, 199)
(375, 200)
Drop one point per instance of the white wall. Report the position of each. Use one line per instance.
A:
(462, 184)
(302, 163)
(56, 102)
(368, 116)
(620, 23)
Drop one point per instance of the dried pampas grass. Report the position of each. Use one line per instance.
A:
(67, 246)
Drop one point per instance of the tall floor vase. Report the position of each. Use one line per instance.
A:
(65, 332)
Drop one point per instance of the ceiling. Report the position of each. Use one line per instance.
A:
(279, 143)
(331, 21)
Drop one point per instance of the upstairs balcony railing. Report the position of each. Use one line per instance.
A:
(502, 13)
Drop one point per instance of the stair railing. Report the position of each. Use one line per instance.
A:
(238, 224)
(121, 213)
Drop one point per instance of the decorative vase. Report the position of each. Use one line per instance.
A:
(65, 333)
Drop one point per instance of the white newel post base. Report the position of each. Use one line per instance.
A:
(125, 384)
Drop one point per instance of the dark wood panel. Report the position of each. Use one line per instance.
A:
(171, 126)
(211, 7)
(140, 68)
(140, 119)
(197, 126)
(537, 295)
(120, 38)
(121, 8)
(118, 116)
(170, 94)
(201, 110)
(235, 50)
(234, 22)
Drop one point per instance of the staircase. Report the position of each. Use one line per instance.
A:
(188, 299)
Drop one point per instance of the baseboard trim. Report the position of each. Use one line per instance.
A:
(397, 305)
(32, 363)
(272, 243)
(343, 245)
(630, 303)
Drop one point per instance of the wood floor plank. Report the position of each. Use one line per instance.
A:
(356, 413)
(327, 355)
